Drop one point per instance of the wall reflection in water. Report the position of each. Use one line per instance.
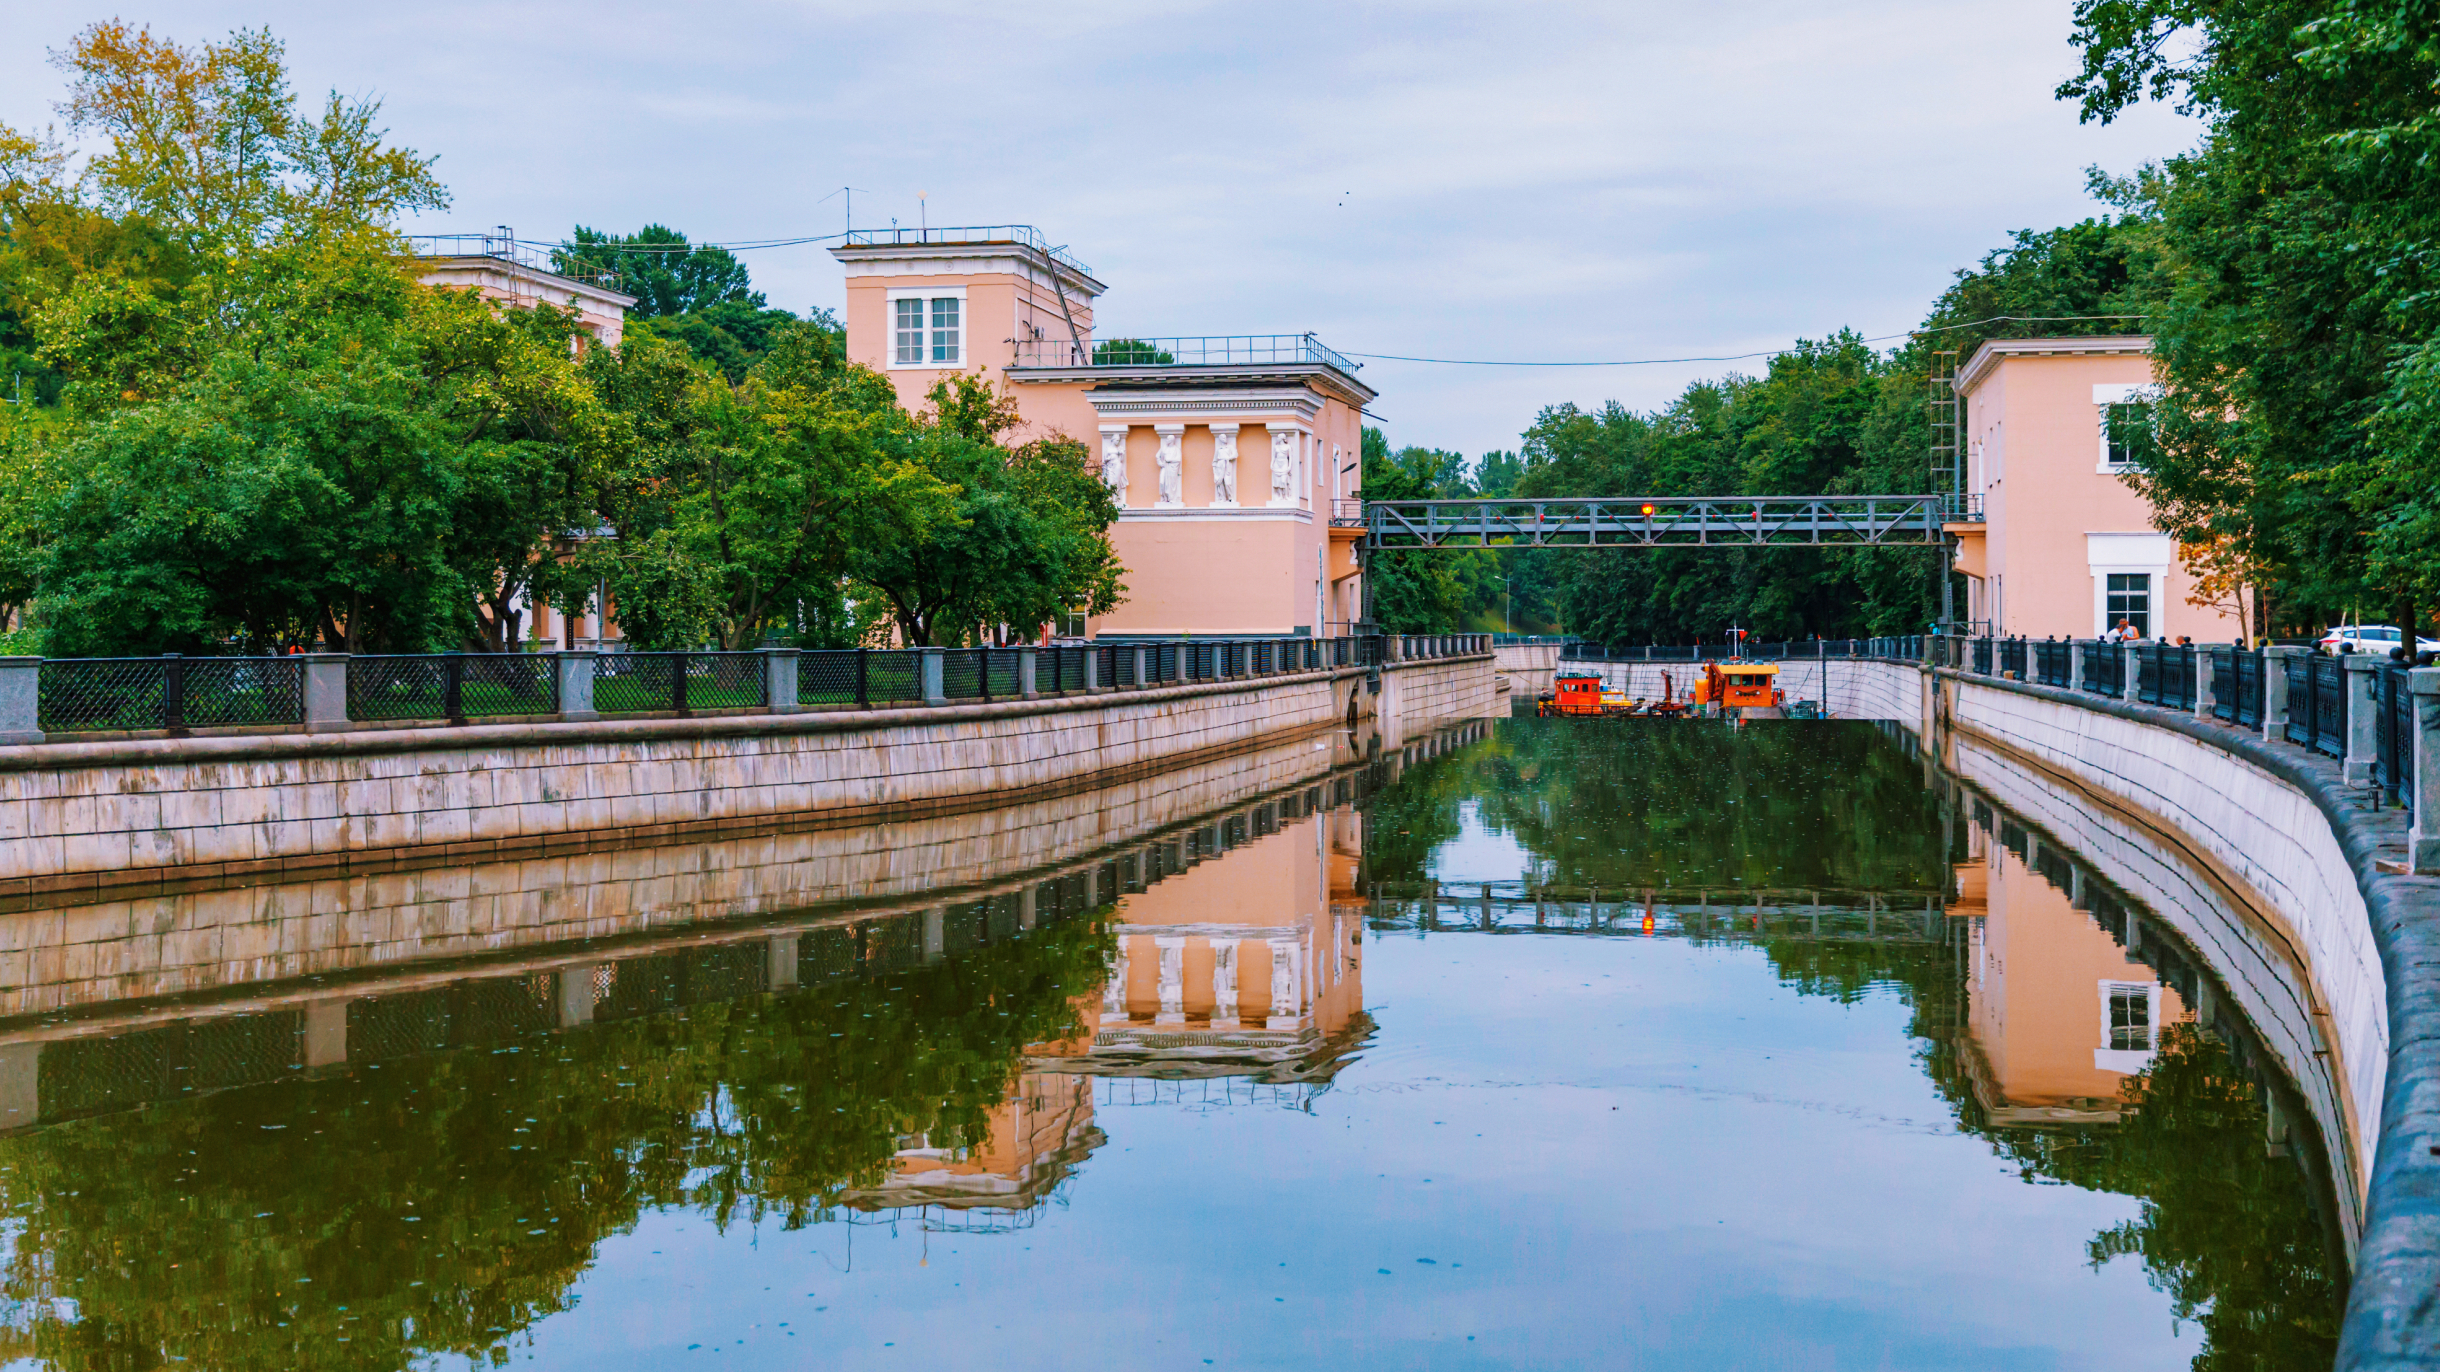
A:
(420, 1160)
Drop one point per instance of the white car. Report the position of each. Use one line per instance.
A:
(2371, 638)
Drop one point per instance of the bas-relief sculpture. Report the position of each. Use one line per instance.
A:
(1224, 465)
(1283, 467)
(1114, 463)
(1170, 458)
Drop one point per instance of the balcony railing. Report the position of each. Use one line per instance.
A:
(1024, 235)
(1239, 350)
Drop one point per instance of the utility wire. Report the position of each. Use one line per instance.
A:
(1744, 357)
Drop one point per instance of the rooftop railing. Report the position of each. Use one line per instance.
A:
(1023, 235)
(1233, 350)
(505, 246)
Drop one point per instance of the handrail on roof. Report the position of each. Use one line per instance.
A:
(1023, 234)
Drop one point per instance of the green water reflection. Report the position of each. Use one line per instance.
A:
(444, 1204)
(2230, 1229)
(449, 1197)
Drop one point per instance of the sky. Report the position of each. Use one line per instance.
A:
(1556, 182)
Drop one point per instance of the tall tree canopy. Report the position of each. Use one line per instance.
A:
(2292, 255)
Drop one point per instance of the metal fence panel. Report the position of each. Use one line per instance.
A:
(94, 694)
(73, 696)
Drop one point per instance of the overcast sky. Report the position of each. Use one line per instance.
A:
(1558, 181)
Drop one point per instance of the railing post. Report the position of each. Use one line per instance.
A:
(173, 693)
(864, 678)
(576, 685)
(2363, 717)
(1092, 668)
(2075, 664)
(2275, 688)
(20, 699)
(2206, 694)
(1025, 673)
(935, 691)
(453, 687)
(779, 681)
(2423, 838)
(1143, 663)
(2130, 672)
(325, 692)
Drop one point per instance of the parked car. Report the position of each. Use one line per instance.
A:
(2371, 638)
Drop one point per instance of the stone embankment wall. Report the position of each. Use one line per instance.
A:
(1529, 667)
(1847, 688)
(223, 938)
(85, 818)
(1416, 695)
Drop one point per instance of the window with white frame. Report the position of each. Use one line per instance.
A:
(2131, 1029)
(2129, 437)
(2129, 601)
(927, 330)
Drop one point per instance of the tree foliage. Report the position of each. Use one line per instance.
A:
(2292, 253)
(1028, 539)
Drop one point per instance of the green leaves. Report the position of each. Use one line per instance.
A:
(1014, 535)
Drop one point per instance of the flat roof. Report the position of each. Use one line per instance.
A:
(1994, 350)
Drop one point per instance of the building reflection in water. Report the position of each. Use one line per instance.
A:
(1236, 977)
(2062, 1013)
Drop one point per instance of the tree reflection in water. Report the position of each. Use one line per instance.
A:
(2229, 1228)
(444, 1204)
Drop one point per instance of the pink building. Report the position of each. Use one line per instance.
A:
(1226, 453)
(2065, 547)
(515, 273)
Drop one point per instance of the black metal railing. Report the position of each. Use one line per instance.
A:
(2105, 669)
(2393, 753)
(2317, 704)
(679, 683)
(2164, 675)
(451, 686)
(2236, 685)
(2054, 663)
(140, 694)
(177, 694)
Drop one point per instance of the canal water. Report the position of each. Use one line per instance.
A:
(1619, 1044)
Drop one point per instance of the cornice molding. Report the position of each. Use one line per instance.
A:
(1996, 350)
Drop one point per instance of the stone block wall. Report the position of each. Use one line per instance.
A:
(225, 937)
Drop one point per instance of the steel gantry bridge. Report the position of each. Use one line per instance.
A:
(1816, 521)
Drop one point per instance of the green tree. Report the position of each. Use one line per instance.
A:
(667, 275)
(2293, 263)
(1029, 539)
(735, 507)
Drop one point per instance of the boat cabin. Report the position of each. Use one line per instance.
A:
(1577, 695)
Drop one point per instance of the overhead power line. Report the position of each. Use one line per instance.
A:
(1744, 357)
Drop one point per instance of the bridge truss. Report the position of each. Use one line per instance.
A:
(1819, 521)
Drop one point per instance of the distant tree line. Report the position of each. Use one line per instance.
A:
(1828, 417)
(2285, 268)
(252, 427)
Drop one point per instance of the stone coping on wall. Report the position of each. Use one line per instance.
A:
(2393, 1307)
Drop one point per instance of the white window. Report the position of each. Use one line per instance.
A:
(927, 327)
(2125, 417)
(2130, 1026)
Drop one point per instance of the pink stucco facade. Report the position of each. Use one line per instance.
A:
(1280, 418)
(2065, 546)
